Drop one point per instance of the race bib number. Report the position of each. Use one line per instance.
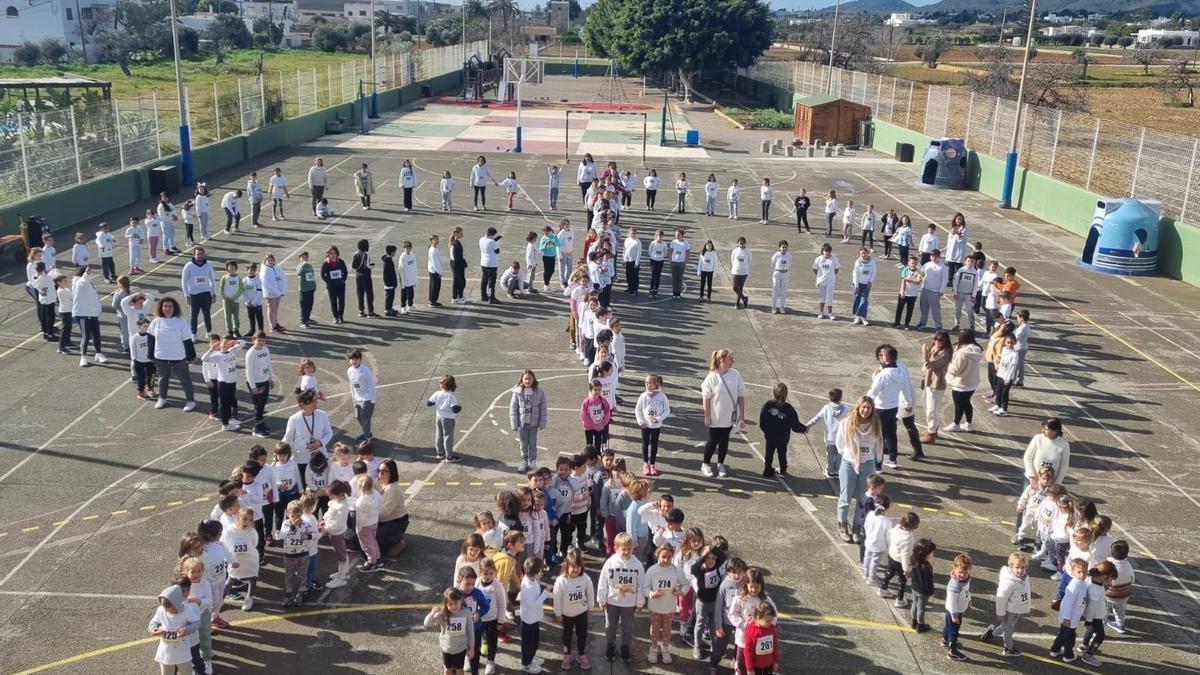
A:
(335, 274)
(241, 549)
(293, 544)
(1024, 597)
(575, 598)
(711, 579)
(653, 418)
(308, 277)
(202, 280)
(764, 645)
(171, 636)
(456, 626)
(625, 583)
(285, 485)
(866, 450)
(220, 568)
(266, 373)
(664, 584)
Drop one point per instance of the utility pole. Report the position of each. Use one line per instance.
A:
(1010, 161)
(837, 6)
(185, 135)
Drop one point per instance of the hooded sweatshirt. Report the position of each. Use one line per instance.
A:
(527, 407)
(963, 373)
(1012, 594)
(900, 547)
(197, 277)
(173, 648)
(455, 632)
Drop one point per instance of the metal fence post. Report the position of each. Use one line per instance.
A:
(316, 100)
(1054, 145)
(892, 111)
(970, 110)
(262, 102)
(75, 141)
(1187, 188)
(1137, 164)
(241, 108)
(117, 124)
(282, 99)
(157, 130)
(24, 156)
(299, 107)
(908, 117)
(995, 125)
(1092, 163)
(217, 109)
(329, 82)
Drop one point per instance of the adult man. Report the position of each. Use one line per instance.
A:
(489, 263)
(197, 283)
(308, 430)
(316, 182)
(233, 212)
(888, 385)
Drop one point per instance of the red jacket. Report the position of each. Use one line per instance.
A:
(762, 646)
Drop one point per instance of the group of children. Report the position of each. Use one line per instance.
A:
(590, 506)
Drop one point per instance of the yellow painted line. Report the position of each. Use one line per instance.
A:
(1048, 294)
(710, 489)
(61, 522)
(1177, 562)
(405, 483)
(91, 517)
(117, 513)
(3, 534)
(982, 518)
(926, 508)
(151, 507)
(174, 503)
(955, 513)
(760, 492)
(476, 483)
(1008, 522)
(429, 484)
(200, 499)
(31, 529)
(18, 345)
(736, 490)
(505, 484)
(829, 496)
(453, 483)
(903, 506)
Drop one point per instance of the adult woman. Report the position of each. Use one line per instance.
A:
(274, 288)
(333, 273)
(480, 175)
(831, 211)
(364, 186)
(167, 218)
(995, 347)
(173, 351)
(724, 394)
(963, 377)
(1048, 448)
(393, 513)
(585, 174)
(408, 181)
(458, 268)
(85, 308)
(860, 444)
(935, 356)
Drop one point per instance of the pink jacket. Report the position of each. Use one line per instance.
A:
(595, 413)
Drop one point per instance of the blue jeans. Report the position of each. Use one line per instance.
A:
(862, 298)
(853, 484)
(950, 631)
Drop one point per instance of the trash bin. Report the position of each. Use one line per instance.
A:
(164, 179)
(904, 152)
(692, 137)
(426, 91)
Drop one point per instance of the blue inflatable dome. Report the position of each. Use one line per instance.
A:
(944, 164)
(1123, 238)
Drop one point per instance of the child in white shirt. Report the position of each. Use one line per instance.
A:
(510, 189)
(781, 265)
(732, 196)
(446, 187)
(446, 407)
(831, 415)
(362, 391)
(849, 219)
(407, 268)
(134, 234)
(877, 530)
(710, 195)
(825, 267)
(766, 193)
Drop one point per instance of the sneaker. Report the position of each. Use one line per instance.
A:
(162, 403)
(952, 427)
(891, 464)
(844, 530)
(955, 655)
(706, 470)
(523, 467)
(101, 358)
(626, 657)
(369, 567)
(882, 592)
(584, 662)
(652, 657)
(1010, 652)
(722, 472)
(1055, 577)
(220, 622)
(453, 459)
(1001, 412)
(830, 317)
(653, 470)
(1091, 659)
(490, 669)
(1055, 653)
(232, 425)
(261, 433)
(189, 406)
(532, 668)
(900, 603)
(967, 427)
(610, 652)
(923, 628)
(1069, 659)
(335, 582)
(1115, 625)
(83, 362)
(988, 633)
(248, 604)
(864, 321)
(316, 586)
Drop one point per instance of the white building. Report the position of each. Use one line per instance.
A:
(1057, 19)
(1147, 36)
(35, 20)
(1059, 31)
(899, 20)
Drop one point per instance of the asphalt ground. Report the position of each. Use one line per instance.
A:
(97, 487)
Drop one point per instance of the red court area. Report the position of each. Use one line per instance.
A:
(596, 106)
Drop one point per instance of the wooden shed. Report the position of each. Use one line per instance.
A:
(830, 119)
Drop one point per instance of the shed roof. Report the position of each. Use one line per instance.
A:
(816, 100)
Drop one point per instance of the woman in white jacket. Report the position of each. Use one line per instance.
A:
(651, 183)
(274, 287)
(85, 308)
(173, 350)
(408, 181)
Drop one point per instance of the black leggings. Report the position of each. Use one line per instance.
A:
(904, 305)
(337, 300)
(407, 295)
(962, 405)
(549, 265)
(650, 444)
(487, 632)
(458, 284)
(480, 195)
(706, 280)
(903, 253)
(650, 196)
(89, 332)
(739, 284)
(596, 438)
(718, 440)
(773, 447)
(802, 220)
(255, 315)
(577, 626)
(895, 569)
(656, 268)
(366, 294)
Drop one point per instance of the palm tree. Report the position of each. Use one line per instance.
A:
(1081, 57)
(475, 9)
(506, 10)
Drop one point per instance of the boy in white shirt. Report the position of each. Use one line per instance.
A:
(619, 594)
(877, 530)
(445, 405)
(849, 220)
(362, 390)
(732, 196)
(868, 226)
(433, 265)
(929, 242)
(831, 415)
(966, 285)
(825, 267)
(407, 267)
(933, 284)
(862, 278)
(135, 234)
(79, 251)
(259, 376)
(632, 257)
(104, 248)
(680, 250)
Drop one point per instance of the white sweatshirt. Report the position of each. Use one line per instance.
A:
(831, 415)
(1012, 594)
(651, 410)
(878, 529)
(362, 383)
(258, 366)
(621, 582)
(573, 595)
(668, 580)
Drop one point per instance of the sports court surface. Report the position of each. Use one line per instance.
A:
(96, 487)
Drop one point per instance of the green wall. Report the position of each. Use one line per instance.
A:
(65, 208)
(1054, 201)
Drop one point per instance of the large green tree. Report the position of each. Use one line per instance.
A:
(679, 36)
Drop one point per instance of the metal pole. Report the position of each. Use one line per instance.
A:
(1010, 161)
(995, 126)
(299, 106)
(908, 115)
(262, 102)
(970, 109)
(520, 81)
(646, 130)
(374, 70)
(283, 98)
(1137, 164)
(217, 110)
(117, 124)
(24, 157)
(837, 6)
(185, 133)
(1187, 188)
(157, 132)
(329, 82)
(316, 98)
(567, 139)
(892, 110)
(1054, 148)
(1092, 163)
(241, 108)
(75, 142)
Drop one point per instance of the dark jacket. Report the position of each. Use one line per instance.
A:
(802, 203)
(922, 578)
(458, 261)
(707, 585)
(779, 421)
(327, 268)
(360, 264)
(389, 272)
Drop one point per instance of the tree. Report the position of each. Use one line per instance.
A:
(859, 41)
(332, 38)
(1111, 41)
(273, 31)
(53, 50)
(681, 36)
(28, 54)
(1081, 58)
(507, 10)
(932, 52)
(395, 23)
(1049, 85)
(1124, 41)
(228, 32)
(1143, 56)
(1179, 83)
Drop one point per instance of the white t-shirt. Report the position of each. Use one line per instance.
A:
(723, 391)
(781, 262)
(739, 261)
(278, 185)
(679, 250)
(826, 269)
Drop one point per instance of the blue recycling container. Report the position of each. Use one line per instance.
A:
(692, 137)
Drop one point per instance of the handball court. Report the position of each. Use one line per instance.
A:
(96, 487)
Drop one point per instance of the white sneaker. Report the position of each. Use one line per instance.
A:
(83, 362)
(993, 409)
(233, 425)
(968, 427)
(953, 427)
(722, 471)
(335, 582)
(532, 668)
(490, 669)
(248, 604)
(830, 317)
(101, 358)
(1001, 412)
(891, 464)
(189, 406)
(820, 315)
(706, 470)
(864, 321)
(539, 661)
(162, 403)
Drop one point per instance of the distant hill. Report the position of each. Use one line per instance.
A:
(1155, 7)
(876, 7)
